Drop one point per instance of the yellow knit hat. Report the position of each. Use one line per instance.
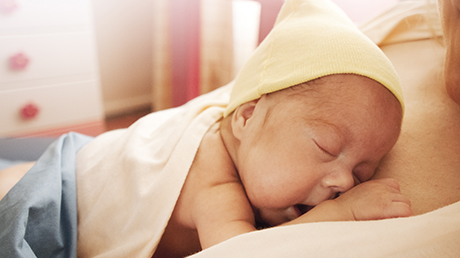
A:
(311, 39)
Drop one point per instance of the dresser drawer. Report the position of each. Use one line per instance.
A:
(55, 106)
(25, 16)
(50, 55)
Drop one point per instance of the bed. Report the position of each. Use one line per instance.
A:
(18, 150)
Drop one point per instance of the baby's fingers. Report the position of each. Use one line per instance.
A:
(400, 207)
(401, 198)
(393, 183)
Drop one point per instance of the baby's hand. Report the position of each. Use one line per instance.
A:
(375, 199)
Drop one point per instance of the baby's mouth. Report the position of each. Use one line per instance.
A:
(271, 218)
(302, 209)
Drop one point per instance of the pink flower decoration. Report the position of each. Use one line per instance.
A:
(29, 111)
(19, 61)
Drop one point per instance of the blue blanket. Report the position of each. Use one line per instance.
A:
(38, 216)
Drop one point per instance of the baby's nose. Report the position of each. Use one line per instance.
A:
(339, 181)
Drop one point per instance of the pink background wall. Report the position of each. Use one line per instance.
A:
(358, 10)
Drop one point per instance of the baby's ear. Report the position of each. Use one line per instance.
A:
(240, 117)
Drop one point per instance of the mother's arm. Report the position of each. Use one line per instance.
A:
(450, 14)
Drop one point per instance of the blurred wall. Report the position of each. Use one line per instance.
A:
(124, 38)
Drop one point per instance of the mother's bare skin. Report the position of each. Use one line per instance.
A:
(426, 158)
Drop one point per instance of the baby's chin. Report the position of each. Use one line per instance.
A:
(274, 217)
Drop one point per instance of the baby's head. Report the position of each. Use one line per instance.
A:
(312, 112)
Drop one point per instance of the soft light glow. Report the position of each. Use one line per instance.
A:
(246, 20)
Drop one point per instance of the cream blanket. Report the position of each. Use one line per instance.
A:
(128, 181)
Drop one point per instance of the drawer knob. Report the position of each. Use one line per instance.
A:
(8, 6)
(29, 111)
(19, 61)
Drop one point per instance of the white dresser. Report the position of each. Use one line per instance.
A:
(49, 74)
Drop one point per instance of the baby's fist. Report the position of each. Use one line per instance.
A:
(376, 199)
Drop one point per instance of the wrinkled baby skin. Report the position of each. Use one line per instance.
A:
(301, 146)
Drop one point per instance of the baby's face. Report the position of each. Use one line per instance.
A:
(306, 144)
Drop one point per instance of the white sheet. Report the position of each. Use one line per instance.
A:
(435, 234)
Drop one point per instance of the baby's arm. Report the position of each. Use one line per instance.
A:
(372, 200)
(223, 212)
(220, 208)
